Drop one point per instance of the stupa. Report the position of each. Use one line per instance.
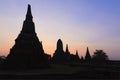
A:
(27, 51)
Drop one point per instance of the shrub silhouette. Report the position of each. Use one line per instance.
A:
(100, 56)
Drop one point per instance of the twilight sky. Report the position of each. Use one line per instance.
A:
(79, 23)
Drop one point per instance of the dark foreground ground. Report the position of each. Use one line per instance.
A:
(64, 72)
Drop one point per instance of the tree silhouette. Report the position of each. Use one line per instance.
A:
(100, 55)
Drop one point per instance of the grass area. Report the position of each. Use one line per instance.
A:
(54, 69)
(65, 71)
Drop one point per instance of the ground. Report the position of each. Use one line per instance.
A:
(73, 71)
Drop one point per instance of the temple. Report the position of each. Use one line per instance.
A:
(64, 57)
(28, 50)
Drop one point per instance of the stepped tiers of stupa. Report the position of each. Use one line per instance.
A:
(28, 50)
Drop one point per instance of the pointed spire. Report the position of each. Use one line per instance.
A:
(87, 56)
(87, 50)
(29, 14)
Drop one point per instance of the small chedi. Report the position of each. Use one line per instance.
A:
(87, 56)
(28, 50)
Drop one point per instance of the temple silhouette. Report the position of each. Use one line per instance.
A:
(28, 50)
(64, 57)
(27, 59)
(59, 56)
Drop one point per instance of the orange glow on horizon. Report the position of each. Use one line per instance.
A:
(49, 49)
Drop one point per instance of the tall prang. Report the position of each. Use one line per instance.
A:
(28, 50)
(59, 45)
(59, 48)
(59, 55)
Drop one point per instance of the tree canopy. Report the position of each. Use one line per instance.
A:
(100, 55)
